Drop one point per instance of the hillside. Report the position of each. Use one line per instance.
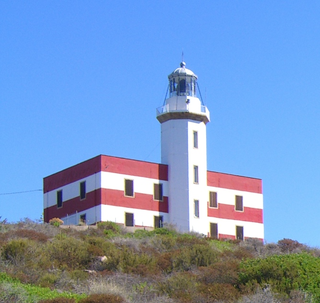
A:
(45, 263)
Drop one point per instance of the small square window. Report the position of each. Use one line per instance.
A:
(59, 198)
(157, 192)
(195, 174)
(128, 188)
(239, 203)
(213, 201)
(82, 190)
(196, 208)
(129, 219)
(195, 139)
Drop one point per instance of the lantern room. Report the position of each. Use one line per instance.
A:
(182, 82)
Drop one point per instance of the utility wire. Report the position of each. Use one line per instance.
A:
(20, 192)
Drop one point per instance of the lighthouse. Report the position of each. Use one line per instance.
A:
(179, 191)
(183, 119)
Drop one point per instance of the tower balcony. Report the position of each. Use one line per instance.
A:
(187, 110)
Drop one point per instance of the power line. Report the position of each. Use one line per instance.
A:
(20, 192)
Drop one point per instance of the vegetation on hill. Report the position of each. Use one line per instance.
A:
(45, 263)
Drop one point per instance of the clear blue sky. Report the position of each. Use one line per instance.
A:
(83, 78)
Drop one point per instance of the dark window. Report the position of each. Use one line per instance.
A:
(239, 203)
(214, 230)
(239, 232)
(128, 188)
(196, 208)
(158, 221)
(195, 139)
(83, 190)
(59, 198)
(213, 199)
(157, 192)
(182, 87)
(129, 219)
(83, 218)
(195, 174)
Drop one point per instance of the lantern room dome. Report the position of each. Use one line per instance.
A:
(182, 71)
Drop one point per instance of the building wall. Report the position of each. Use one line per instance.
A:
(106, 188)
(105, 199)
(225, 214)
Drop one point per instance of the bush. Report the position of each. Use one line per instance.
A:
(110, 226)
(58, 300)
(69, 253)
(15, 251)
(31, 235)
(141, 264)
(55, 222)
(289, 246)
(181, 286)
(196, 255)
(284, 273)
(102, 298)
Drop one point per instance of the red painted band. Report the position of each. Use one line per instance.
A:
(106, 164)
(234, 182)
(108, 197)
(225, 211)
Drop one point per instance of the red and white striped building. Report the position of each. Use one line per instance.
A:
(180, 190)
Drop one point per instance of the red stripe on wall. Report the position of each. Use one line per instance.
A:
(139, 201)
(108, 197)
(225, 211)
(222, 236)
(234, 182)
(134, 168)
(72, 174)
(107, 164)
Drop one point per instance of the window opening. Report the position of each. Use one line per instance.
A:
(129, 219)
(213, 199)
(158, 221)
(128, 188)
(83, 218)
(239, 232)
(195, 139)
(157, 192)
(82, 190)
(59, 198)
(196, 208)
(214, 230)
(239, 203)
(195, 174)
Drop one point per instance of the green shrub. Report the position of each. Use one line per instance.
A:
(15, 251)
(141, 264)
(284, 273)
(288, 246)
(180, 286)
(102, 298)
(114, 227)
(196, 255)
(69, 253)
(55, 222)
(47, 280)
(219, 292)
(58, 300)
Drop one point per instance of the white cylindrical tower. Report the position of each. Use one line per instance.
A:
(183, 121)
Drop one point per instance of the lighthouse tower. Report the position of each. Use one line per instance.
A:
(183, 121)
